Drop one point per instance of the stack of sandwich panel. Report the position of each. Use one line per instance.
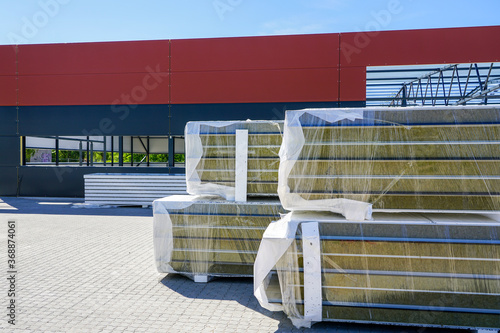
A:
(210, 157)
(403, 159)
(407, 269)
(204, 236)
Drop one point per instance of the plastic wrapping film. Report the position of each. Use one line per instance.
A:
(355, 161)
(204, 236)
(439, 270)
(210, 157)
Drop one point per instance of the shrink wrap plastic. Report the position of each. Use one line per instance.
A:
(418, 159)
(205, 236)
(439, 270)
(210, 157)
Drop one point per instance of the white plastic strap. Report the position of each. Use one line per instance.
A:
(312, 271)
(241, 167)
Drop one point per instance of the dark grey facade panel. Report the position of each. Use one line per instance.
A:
(355, 104)
(182, 113)
(8, 180)
(94, 120)
(8, 120)
(67, 181)
(10, 151)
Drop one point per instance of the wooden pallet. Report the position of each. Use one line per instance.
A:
(131, 189)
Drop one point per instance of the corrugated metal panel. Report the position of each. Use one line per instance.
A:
(384, 82)
(131, 189)
(66, 181)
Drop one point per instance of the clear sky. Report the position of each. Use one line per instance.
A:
(66, 21)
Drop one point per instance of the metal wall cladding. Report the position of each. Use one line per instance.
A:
(270, 69)
(182, 113)
(8, 63)
(94, 89)
(92, 58)
(10, 148)
(352, 83)
(429, 46)
(8, 181)
(263, 86)
(94, 120)
(8, 123)
(257, 69)
(8, 96)
(94, 73)
(8, 75)
(255, 53)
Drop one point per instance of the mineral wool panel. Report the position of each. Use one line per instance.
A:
(419, 159)
(209, 236)
(437, 270)
(210, 157)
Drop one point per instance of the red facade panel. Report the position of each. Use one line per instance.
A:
(7, 60)
(299, 85)
(93, 58)
(300, 68)
(430, 46)
(8, 91)
(252, 53)
(352, 84)
(98, 89)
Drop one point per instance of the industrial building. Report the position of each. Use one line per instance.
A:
(67, 110)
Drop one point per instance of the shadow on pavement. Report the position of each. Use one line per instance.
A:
(241, 290)
(65, 206)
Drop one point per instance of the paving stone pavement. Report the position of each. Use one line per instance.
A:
(92, 270)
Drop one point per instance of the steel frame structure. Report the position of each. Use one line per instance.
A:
(441, 87)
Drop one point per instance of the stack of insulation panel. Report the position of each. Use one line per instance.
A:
(418, 242)
(204, 236)
(403, 268)
(211, 151)
(394, 159)
(209, 233)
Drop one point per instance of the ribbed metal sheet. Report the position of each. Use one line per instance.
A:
(131, 189)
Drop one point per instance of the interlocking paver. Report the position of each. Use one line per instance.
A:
(92, 270)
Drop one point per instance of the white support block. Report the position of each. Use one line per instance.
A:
(485, 330)
(312, 271)
(201, 278)
(241, 167)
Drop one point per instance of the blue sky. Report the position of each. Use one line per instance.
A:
(66, 21)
